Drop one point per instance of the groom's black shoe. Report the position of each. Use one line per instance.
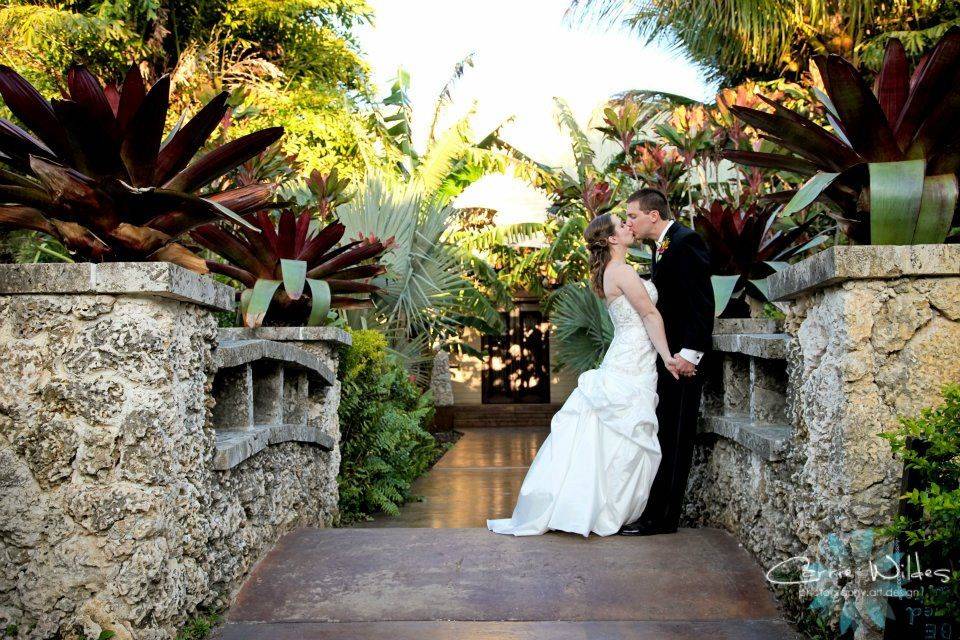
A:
(639, 529)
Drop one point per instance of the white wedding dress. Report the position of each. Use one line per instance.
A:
(594, 471)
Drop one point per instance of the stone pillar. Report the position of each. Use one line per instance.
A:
(876, 334)
(104, 373)
(440, 381)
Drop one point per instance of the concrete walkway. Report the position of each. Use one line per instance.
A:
(435, 572)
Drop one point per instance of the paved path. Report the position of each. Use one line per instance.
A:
(435, 572)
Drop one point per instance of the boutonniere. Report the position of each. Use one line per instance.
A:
(663, 246)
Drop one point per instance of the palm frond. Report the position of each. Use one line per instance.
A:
(583, 153)
(582, 327)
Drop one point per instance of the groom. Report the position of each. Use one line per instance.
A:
(681, 273)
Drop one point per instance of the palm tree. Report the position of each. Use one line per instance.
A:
(766, 39)
(426, 296)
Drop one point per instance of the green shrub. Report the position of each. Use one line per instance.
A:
(199, 628)
(384, 446)
(930, 449)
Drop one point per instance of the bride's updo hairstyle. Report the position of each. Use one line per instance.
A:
(595, 235)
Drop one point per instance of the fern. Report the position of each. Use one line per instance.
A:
(384, 445)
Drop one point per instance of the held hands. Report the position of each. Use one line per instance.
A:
(671, 365)
(684, 367)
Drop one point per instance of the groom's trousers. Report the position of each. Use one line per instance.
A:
(678, 410)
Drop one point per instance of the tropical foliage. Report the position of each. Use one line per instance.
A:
(888, 171)
(746, 247)
(739, 40)
(384, 445)
(427, 293)
(583, 327)
(278, 259)
(294, 64)
(929, 523)
(97, 173)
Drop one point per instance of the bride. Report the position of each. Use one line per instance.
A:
(594, 470)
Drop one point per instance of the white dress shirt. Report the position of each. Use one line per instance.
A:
(689, 355)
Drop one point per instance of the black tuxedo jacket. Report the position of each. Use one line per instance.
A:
(685, 293)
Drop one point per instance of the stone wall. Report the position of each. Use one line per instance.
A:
(871, 334)
(111, 514)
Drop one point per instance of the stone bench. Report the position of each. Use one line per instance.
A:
(263, 391)
(745, 396)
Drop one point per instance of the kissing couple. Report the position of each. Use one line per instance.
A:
(619, 450)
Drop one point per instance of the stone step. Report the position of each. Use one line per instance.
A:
(767, 440)
(495, 415)
(540, 630)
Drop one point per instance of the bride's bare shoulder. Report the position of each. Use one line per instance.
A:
(621, 271)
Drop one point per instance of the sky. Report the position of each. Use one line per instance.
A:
(525, 54)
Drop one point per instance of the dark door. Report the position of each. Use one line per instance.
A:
(517, 365)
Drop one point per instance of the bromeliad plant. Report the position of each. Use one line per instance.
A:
(97, 174)
(889, 169)
(745, 249)
(292, 270)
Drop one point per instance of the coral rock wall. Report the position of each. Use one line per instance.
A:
(110, 514)
(862, 353)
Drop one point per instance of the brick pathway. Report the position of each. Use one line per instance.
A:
(435, 572)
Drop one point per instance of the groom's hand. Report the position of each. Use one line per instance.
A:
(685, 367)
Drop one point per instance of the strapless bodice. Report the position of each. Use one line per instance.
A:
(623, 314)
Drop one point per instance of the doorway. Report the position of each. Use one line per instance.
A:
(516, 367)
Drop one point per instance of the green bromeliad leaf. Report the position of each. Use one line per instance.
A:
(723, 288)
(936, 209)
(896, 190)
(260, 298)
(320, 303)
(809, 192)
(294, 276)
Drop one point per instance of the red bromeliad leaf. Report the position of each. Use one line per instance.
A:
(21, 143)
(362, 272)
(224, 159)
(131, 97)
(287, 235)
(244, 200)
(138, 240)
(351, 286)
(893, 82)
(346, 259)
(94, 151)
(860, 115)
(185, 144)
(65, 184)
(327, 238)
(303, 228)
(269, 231)
(822, 148)
(937, 75)
(178, 254)
(85, 90)
(113, 98)
(344, 302)
(141, 142)
(231, 248)
(78, 238)
(20, 217)
(229, 270)
(29, 106)
(771, 161)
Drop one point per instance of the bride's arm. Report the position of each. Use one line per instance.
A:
(632, 287)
